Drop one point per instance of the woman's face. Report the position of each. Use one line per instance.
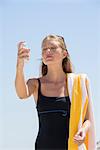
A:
(52, 52)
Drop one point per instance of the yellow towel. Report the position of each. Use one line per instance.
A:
(79, 102)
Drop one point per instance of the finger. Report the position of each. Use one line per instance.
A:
(21, 44)
(23, 55)
(81, 136)
(79, 139)
(77, 136)
(79, 132)
(78, 143)
(23, 50)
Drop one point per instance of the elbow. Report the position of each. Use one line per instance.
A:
(21, 97)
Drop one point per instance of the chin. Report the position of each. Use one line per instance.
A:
(48, 62)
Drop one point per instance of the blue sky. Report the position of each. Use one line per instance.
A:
(30, 20)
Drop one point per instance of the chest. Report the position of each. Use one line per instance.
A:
(50, 89)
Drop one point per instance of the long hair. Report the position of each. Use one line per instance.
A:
(66, 63)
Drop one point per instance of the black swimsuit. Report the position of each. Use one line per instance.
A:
(54, 114)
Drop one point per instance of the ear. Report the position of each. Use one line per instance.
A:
(65, 53)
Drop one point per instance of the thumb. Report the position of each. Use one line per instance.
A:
(79, 133)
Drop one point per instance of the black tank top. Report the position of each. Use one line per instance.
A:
(53, 114)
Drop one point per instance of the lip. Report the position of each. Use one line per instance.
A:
(49, 57)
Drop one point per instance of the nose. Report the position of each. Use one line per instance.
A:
(48, 50)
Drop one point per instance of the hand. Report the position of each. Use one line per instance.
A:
(80, 136)
(23, 53)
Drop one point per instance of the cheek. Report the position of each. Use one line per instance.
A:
(59, 55)
(43, 58)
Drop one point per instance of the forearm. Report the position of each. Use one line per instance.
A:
(20, 84)
(86, 125)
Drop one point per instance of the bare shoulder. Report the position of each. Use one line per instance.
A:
(32, 81)
(33, 85)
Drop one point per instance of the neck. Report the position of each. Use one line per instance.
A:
(55, 74)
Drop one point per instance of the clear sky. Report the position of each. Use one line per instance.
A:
(31, 20)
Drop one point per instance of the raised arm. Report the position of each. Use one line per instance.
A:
(22, 87)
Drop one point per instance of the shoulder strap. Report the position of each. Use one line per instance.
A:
(39, 87)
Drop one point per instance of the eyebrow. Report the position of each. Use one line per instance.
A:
(52, 45)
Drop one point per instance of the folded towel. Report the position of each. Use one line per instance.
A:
(80, 96)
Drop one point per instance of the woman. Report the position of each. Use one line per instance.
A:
(51, 95)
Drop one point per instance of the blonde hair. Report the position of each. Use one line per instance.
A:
(66, 63)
